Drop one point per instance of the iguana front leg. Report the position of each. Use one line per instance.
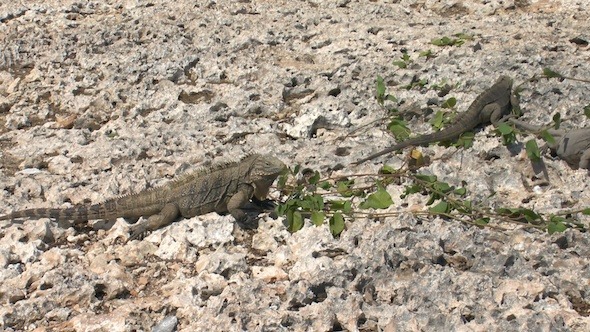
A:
(585, 160)
(238, 200)
(168, 214)
(494, 112)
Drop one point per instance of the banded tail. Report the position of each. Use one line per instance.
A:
(77, 213)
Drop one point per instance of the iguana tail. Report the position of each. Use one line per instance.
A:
(76, 213)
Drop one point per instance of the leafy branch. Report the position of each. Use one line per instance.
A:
(335, 200)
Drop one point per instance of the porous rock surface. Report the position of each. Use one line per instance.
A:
(104, 98)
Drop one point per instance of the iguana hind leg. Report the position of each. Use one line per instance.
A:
(168, 214)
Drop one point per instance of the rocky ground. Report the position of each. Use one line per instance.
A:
(99, 99)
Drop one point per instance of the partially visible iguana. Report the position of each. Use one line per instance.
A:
(572, 146)
(490, 106)
(226, 187)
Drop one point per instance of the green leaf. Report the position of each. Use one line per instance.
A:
(317, 217)
(315, 178)
(507, 132)
(295, 221)
(438, 120)
(446, 41)
(505, 129)
(463, 36)
(401, 64)
(347, 208)
(281, 209)
(317, 202)
(380, 90)
(465, 140)
(428, 54)
(411, 190)
(440, 208)
(325, 185)
(586, 211)
(532, 150)
(449, 103)
(442, 187)
(399, 129)
(344, 188)
(432, 198)
(587, 111)
(551, 74)
(465, 207)
(336, 224)
(511, 212)
(547, 137)
(312, 202)
(386, 169)
(460, 191)
(556, 226)
(557, 120)
(481, 221)
(342, 205)
(426, 178)
(282, 181)
(377, 200)
(530, 215)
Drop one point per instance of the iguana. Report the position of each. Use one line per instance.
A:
(225, 187)
(571, 146)
(490, 106)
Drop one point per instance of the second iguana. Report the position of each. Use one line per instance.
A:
(490, 106)
(225, 187)
(571, 146)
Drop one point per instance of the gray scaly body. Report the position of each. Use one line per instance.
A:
(490, 106)
(221, 188)
(571, 146)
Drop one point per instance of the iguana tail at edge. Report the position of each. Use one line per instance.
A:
(76, 213)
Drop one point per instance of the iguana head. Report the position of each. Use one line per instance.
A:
(264, 170)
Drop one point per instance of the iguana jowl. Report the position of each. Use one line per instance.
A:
(221, 188)
(571, 146)
(490, 106)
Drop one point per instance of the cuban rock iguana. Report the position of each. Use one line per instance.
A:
(571, 146)
(225, 187)
(490, 106)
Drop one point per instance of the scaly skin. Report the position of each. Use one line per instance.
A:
(222, 188)
(490, 106)
(572, 146)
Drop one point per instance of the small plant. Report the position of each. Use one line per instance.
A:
(427, 54)
(382, 94)
(309, 199)
(459, 40)
(403, 62)
(417, 84)
(304, 201)
(549, 73)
